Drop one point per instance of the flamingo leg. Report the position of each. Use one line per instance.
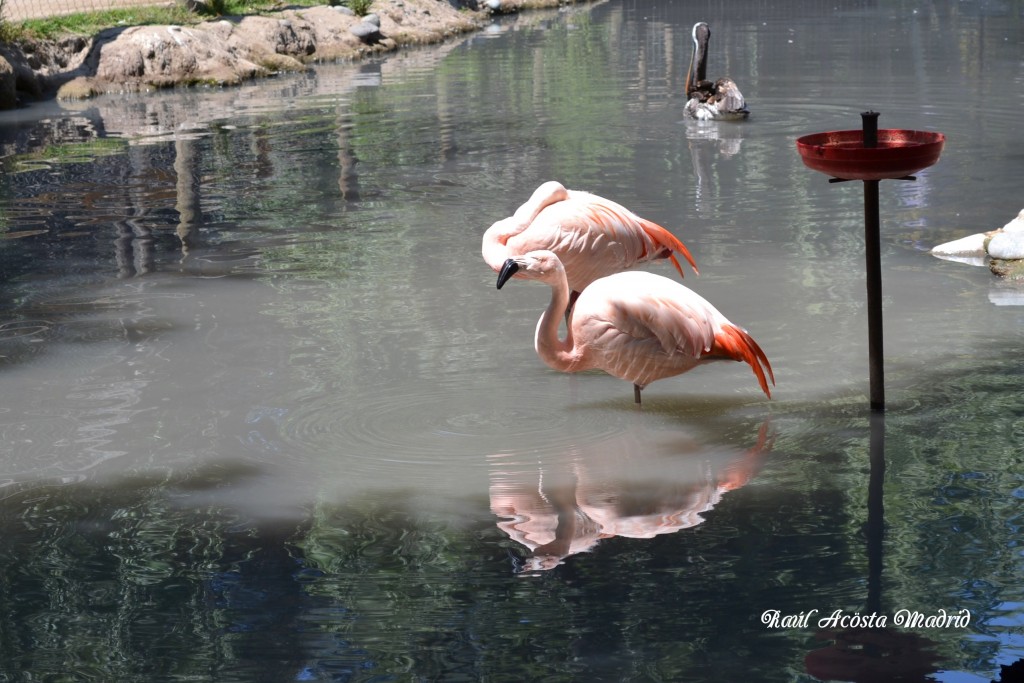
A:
(636, 393)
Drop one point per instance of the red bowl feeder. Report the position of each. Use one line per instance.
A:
(871, 155)
(898, 153)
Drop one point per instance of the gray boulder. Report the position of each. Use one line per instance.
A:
(366, 31)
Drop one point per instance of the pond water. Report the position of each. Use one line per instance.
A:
(265, 416)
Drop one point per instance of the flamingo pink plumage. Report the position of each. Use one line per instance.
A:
(637, 326)
(592, 236)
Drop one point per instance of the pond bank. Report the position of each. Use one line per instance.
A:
(230, 50)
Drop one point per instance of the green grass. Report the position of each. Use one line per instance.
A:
(67, 153)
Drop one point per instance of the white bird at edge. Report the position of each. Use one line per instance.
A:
(637, 326)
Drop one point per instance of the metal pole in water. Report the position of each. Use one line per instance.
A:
(872, 252)
(873, 257)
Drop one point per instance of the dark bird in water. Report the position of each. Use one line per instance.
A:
(707, 101)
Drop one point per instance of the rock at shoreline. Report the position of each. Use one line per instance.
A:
(229, 50)
(1008, 269)
(366, 31)
(8, 85)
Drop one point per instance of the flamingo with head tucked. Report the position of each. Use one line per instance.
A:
(635, 325)
(706, 101)
(592, 236)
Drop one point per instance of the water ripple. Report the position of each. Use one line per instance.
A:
(436, 422)
(28, 330)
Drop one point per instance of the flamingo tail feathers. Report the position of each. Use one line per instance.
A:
(736, 343)
(666, 240)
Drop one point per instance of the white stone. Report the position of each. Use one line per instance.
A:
(1007, 245)
(969, 260)
(1017, 224)
(972, 245)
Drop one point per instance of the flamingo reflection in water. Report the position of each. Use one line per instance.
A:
(629, 486)
(717, 101)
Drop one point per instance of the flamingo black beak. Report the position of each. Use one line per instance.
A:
(507, 271)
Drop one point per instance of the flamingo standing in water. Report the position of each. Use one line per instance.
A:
(637, 326)
(719, 101)
(592, 236)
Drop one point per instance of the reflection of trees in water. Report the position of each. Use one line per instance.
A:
(188, 183)
(152, 571)
(160, 590)
(866, 654)
(133, 248)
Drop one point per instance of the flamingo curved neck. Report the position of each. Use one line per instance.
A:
(558, 354)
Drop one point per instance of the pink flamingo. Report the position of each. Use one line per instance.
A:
(591, 235)
(637, 326)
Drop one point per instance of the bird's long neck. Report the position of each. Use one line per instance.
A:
(559, 354)
(701, 57)
(689, 70)
(698, 70)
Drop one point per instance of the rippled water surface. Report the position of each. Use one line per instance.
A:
(265, 416)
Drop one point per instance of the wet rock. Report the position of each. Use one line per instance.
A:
(80, 88)
(280, 63)
(1007, 269)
